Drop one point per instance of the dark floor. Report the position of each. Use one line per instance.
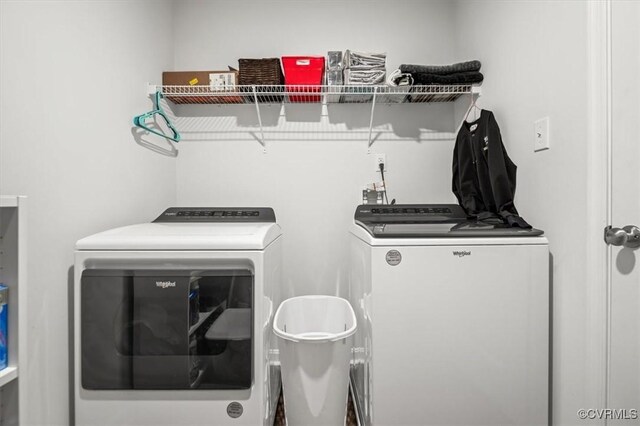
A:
(280, 419)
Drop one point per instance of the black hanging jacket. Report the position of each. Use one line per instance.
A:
(484, 177)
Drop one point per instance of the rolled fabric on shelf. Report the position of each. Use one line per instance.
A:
(457, 78)
(460, 67)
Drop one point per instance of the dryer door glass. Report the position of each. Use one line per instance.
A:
(166, 329)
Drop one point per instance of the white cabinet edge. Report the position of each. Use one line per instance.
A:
(8, 374)
(8, 201)
(11, 372)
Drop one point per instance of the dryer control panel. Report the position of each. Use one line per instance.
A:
(217, 214)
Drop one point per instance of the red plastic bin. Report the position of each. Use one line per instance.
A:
(303, 70)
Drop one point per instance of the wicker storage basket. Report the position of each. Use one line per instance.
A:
(262, 72)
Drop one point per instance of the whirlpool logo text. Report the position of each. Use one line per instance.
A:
(165, 284)
(461, 253)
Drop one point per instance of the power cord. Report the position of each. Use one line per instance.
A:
(381, 166)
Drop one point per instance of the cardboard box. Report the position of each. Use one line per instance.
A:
(201, 85)
(4, 326)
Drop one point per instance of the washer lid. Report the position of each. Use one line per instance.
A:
(446, 230)
(478, 238)
(184, 236)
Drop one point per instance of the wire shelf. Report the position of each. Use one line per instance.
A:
(259, 95)
(313, 94)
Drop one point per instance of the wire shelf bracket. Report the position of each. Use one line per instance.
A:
(373, 110)
(261, 140)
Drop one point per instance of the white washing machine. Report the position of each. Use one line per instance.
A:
(173, 320)
(453, 319)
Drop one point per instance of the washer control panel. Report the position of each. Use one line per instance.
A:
(217, 214)
(410, 213)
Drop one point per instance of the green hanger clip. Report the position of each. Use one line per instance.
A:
(141, 120)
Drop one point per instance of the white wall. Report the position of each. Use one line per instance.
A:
(534, 56)
(315, 166)
(73, 76)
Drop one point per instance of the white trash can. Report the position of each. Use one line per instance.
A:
(315, 350)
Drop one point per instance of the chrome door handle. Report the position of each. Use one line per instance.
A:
(627, 236)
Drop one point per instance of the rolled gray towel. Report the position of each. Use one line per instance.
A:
(469, 66)
(457, 78)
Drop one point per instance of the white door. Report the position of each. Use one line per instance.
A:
(624, 326)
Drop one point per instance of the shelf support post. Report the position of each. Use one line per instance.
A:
(255, 99)
(373, 108)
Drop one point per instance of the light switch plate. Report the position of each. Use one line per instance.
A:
(541, 134)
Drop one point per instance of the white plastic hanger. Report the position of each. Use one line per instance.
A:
(473, 107)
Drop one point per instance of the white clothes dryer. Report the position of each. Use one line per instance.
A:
(173, 320)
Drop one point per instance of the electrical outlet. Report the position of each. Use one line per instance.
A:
(541, 134)
(381, 158)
